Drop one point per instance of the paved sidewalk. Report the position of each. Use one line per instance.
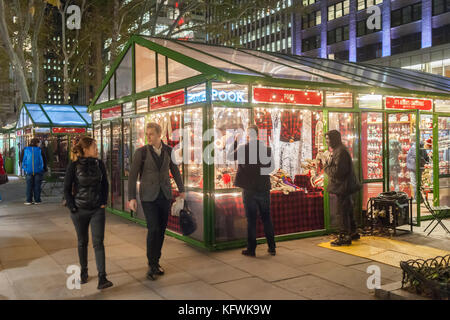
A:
(38, 242)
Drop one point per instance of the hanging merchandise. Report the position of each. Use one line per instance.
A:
(291, 126)
(263, 119)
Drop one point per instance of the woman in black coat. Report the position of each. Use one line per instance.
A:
(86, 193)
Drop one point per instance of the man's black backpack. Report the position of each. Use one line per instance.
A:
(187, 221)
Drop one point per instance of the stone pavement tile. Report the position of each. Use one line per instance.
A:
(387, 271)
(21, 253)
(315, 288)
(7, 291)
(50, 241)
(294, 258)
(124, 287)
(49, 287)
(268, 270)
(256, 289)
(210, 270)
(132, 264)
(123, 229)
(173, 276)
(197, 290)
(180, 249)
(22, 269)
(42, 227)
(331, 255)
(125, 250)
(15, 239)
(138, 239)
(69, 256)
(345, 276)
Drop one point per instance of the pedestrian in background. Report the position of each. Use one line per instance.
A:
(33, 164)
(343, 183)
(86, 192)
(2, 171)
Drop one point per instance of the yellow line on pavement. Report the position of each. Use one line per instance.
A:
(387, 251)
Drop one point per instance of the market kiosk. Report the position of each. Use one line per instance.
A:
(57, 126)
(201, 95)
(8, 149)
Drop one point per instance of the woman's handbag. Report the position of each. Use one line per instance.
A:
(3, 178)
(187, 221)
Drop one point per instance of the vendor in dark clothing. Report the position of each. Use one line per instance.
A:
(255, 163)
(343, 183)
(86, 192)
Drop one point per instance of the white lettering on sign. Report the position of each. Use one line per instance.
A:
(216, 95)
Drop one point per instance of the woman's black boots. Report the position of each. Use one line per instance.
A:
(103, 283)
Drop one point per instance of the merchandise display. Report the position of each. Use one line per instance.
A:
(444, 145)
(372, 142)
(401, 133)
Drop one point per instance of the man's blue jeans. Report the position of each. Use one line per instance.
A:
(34, 187)
(254, 202)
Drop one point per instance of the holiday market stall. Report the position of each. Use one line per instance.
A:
(57, 127)
(7, 147)
(204, 95)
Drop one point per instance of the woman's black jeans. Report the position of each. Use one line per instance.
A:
(96, 218)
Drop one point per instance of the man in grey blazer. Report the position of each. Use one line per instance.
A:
(155, 191)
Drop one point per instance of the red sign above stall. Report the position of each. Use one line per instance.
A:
(112, 112)
(167, 100)
(69, 130)
(270, 95)
(408, 104)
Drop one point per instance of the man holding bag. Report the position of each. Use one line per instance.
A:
(152, 163)
(343, 183)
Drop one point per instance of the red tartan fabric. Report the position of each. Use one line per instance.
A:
(313, 135)
(295, 212)
(175, 126)
(263, 119)
(291, 125)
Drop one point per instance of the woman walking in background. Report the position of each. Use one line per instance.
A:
(86, 193)
(2, 171)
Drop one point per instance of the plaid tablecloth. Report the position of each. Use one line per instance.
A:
(295, 212)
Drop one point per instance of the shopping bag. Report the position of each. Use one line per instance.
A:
(177, 206)
(187, 221)
(3, 178)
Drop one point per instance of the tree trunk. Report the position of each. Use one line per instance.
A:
(14, 58)
(115, 33)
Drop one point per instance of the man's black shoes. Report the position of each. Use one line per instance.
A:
(356, 236)
(342, 241)
(248, 253)
(154, 271)
(160, 271)
(151, 274)
(272, 251)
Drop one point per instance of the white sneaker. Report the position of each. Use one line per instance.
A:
(28, 203)
(37, 202)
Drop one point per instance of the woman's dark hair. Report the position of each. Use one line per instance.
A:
(34, 142)
(83, 144)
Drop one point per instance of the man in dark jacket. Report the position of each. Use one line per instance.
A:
(343, 183)
(255, 163)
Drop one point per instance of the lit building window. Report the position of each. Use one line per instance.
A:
(338, 10)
